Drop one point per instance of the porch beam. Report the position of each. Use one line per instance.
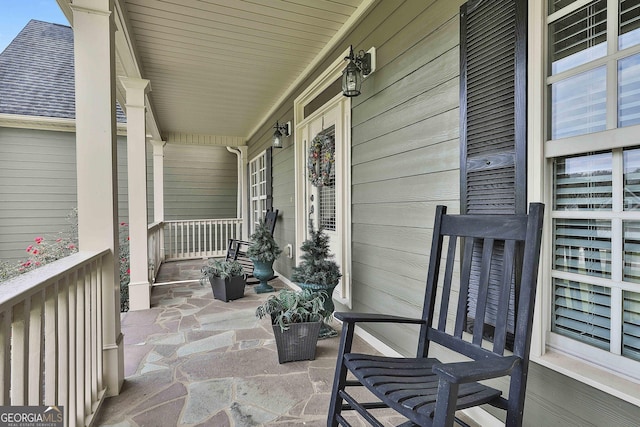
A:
(139, 287)
(97, 165)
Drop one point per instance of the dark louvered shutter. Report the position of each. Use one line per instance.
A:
(492, 121)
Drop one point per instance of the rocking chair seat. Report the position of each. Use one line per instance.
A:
(410, 385)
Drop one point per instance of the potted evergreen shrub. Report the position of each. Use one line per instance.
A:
(263, 251)
(296, 318)
(318, 271)
(226, 277)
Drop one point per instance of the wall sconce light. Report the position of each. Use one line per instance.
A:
(281, 132)
(359, 66)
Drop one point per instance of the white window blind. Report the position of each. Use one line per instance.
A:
(629, 28)
(582, 311)
(631, 325)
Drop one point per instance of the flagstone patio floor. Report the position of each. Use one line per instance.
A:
(192, 360)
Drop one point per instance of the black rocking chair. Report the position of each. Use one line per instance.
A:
(499, 257)
(237, 249)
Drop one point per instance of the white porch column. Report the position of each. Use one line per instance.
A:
(158, 180)
(94, 53)
(139, 287)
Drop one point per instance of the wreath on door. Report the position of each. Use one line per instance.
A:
(321, 158)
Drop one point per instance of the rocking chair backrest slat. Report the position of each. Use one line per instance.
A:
(446, 289)
(496, 266)
(464, 289)
(502, 321)
(483, 291)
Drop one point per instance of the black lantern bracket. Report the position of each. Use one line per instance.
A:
(365, 61)
(359, 66)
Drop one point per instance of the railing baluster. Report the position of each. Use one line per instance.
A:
(51, 345)
(94, 333)
(63, 347)
(36, 346)
(5, 357)
(73, 324)
(20, 353)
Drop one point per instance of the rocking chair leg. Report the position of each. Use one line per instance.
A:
(446, 406)
(335, 405)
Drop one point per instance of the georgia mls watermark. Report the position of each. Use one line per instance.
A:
(31, 416)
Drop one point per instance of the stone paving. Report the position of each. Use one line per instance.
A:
(192, 360)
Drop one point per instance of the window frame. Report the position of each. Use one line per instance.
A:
(260, 184)
(563, 354)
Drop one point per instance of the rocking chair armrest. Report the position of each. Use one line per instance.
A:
(349, 317)
(476, 370)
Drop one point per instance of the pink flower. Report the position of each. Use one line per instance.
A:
(38, 240)
(71, 246)
(29, 248)
(58, 240)
(123, 224)
(37, 263)
(128, 238)
(128, 271)
(26, 264)
(35, 252)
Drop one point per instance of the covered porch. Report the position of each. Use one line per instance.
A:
(194, 360)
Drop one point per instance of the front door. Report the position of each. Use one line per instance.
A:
(325, 192)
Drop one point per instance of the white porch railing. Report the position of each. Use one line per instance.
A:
(203, 238)
(155, 241)
(51, 337)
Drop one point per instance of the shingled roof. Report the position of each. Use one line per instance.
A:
(37, 74)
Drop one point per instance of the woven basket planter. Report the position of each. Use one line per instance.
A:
(298, 342)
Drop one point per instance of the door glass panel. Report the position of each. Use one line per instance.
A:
(327, 193)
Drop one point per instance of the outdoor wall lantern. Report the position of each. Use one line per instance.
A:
(359, 66)
(281, 132)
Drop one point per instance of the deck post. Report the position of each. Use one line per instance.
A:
(94, 52)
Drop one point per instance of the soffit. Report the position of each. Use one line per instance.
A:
(217, 67)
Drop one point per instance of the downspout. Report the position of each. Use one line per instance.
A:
(241, 210)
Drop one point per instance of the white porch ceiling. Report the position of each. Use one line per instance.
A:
(219, 67)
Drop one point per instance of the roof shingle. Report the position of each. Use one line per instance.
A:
(37, 73)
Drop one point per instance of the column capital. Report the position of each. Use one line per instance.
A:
(136, 90)
(157, 143)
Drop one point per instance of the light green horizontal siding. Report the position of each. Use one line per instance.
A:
(200, 182)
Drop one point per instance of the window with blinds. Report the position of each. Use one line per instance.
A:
(258, 190)
(593, 86)
(593, 282)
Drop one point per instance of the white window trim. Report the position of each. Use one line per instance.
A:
(252, 220)
(323, 81)
(544, 346)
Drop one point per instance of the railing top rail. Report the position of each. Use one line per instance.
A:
(208, 219)
(155, 225)
(17, 289)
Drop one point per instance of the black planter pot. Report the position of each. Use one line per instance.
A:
(298, 342)
(227, 289)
